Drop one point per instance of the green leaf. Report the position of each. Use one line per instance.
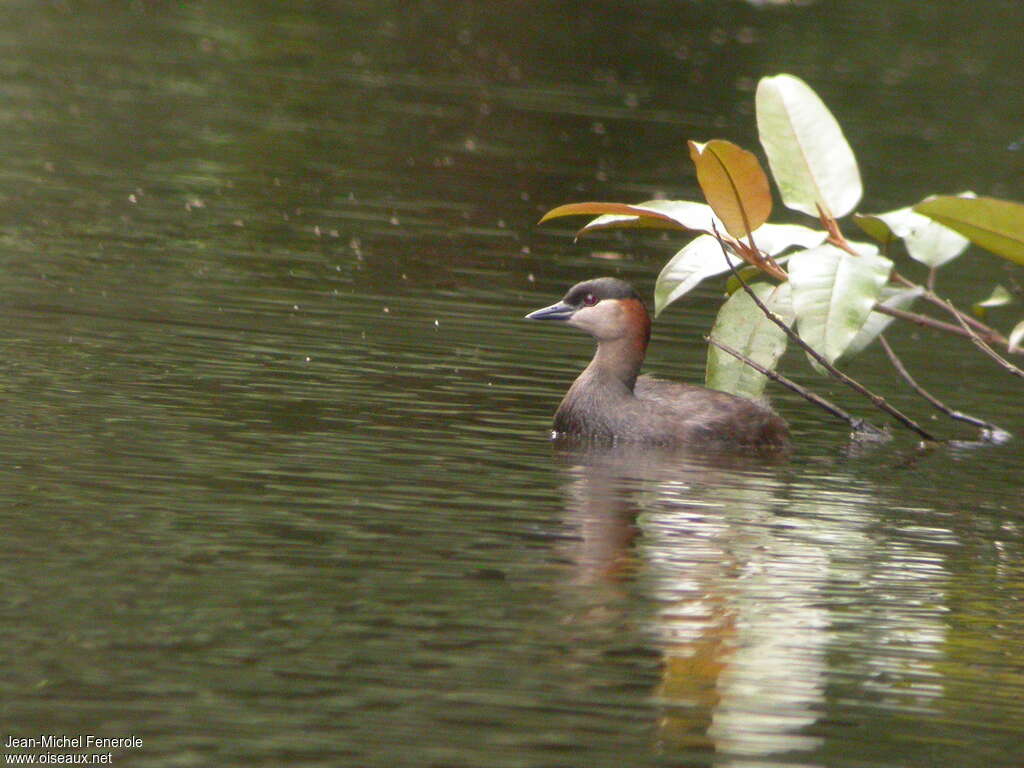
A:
(749, 274)
(1016, 337)
(897, 298)
(702, 258)
(742, 325)
(810, 158)
(874, 227)
(834, 292)
(994, 224)
(927, 241)
(734, 184)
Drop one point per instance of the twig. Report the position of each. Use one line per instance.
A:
(878, 401)
(936, 403)
(925, 320)
(961, 316)
(991, 335)
(858, 425)
(980, 344)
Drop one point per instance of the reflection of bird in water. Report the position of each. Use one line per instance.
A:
(736, 620)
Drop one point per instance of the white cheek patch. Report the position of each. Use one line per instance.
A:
(583, 318)
(603, 320)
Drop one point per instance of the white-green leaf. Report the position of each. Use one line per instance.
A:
(1016, 337)
(834, 292)
(702, 258)
(773, 239)
(927, 241)
(897, 298)
(810, 158)
(611, 221)
(999, 297)
(742, 325)
(685, 213)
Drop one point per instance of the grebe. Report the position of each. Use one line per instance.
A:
(610, 401)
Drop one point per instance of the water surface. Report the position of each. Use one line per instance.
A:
(277, 487)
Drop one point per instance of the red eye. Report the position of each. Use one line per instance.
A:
(589, 300)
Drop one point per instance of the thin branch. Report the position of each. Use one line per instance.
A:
(857, 424)
(980, 344)
(935, 402)
(984, 330)
(919, 319)
(878, 401)
(991, 335)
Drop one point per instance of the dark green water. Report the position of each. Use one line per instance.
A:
(275, 484)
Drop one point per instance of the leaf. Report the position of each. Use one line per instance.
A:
(742, 325)
(1016, 337)
(994, 224)
(734, 184)
(926, 240)
(773, 239)
(874, 227)
(663, 214)
(998, 297)
(749, 275)
(614, 221)
(690, 215)
(702, 258)
(876, 323)
(616, 209)
(810, 158)
(834, 292)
